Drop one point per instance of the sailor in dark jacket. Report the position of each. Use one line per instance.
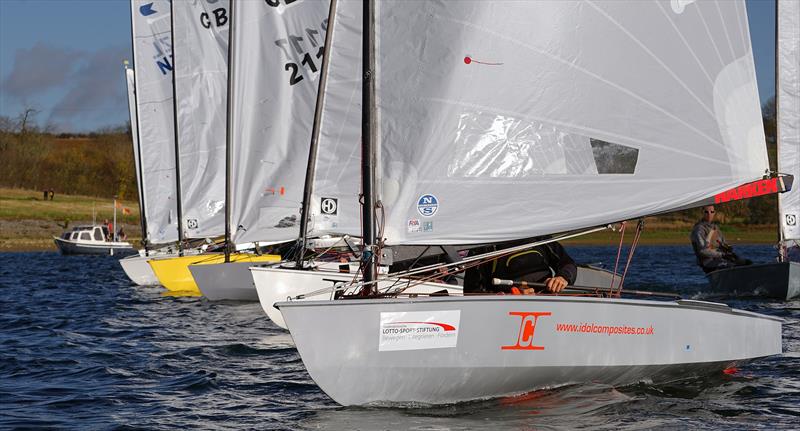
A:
(709, 245)
(548, 264)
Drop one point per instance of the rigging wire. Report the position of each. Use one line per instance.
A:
(619, 253)
(636, 237)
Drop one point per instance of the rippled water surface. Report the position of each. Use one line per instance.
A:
(81, 347)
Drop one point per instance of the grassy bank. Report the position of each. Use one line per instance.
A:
(28, 222)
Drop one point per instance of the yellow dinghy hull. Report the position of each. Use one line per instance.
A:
(173, 272)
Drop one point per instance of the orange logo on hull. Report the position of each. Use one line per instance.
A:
(527, 329)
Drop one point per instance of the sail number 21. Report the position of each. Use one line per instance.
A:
(300, 49)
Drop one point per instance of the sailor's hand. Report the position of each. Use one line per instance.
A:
(528, 291)
(555, 284)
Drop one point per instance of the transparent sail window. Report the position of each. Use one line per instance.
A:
(613, 158)
(488, 145)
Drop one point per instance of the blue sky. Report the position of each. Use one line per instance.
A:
(64, 58)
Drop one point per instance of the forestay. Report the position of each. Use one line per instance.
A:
(277, 53)
(337, 176)
(788, 112)
(130, 81)
(509, 119)
(201, 79)
(152, 52)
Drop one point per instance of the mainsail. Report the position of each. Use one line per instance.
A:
(492, 117)
(505, 119)
(130, 81)
(787, 106)
(276, 55)
(201, 77)
(152, 52)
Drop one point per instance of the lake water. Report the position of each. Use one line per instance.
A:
(81, 347)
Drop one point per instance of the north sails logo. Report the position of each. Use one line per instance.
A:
(147, 9)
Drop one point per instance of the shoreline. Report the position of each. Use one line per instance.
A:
(28, 223)
(653, 238)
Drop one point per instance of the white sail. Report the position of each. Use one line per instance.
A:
(201, 79)
(277, 52)
(152, 52)
(788, 112)
(131, 85)
(508, 119)
(337, 177)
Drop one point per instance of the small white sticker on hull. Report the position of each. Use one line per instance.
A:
(417, 330)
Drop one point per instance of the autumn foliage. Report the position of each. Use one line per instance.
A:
(95, 164)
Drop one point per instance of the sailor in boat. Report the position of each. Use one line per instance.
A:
(710, 247)
(547, 265)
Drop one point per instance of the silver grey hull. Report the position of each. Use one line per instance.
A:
(225, 281)
(139, 271)
(452, 349)
(780, 280)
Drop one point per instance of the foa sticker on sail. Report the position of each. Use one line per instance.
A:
(419, 330)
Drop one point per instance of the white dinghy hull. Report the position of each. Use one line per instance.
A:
(68, 247)
(280, 284)
(139, 271)
(452, 349)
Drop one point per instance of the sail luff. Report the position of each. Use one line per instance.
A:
(138, 148)
(781, 251)
(787, 111)
(176, 138)
(131, 84)
(229, 118)
(308, 185)
(368, 142)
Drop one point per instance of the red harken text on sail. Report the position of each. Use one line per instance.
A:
(749, 190)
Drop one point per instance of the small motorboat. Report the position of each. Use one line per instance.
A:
(90, 239)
